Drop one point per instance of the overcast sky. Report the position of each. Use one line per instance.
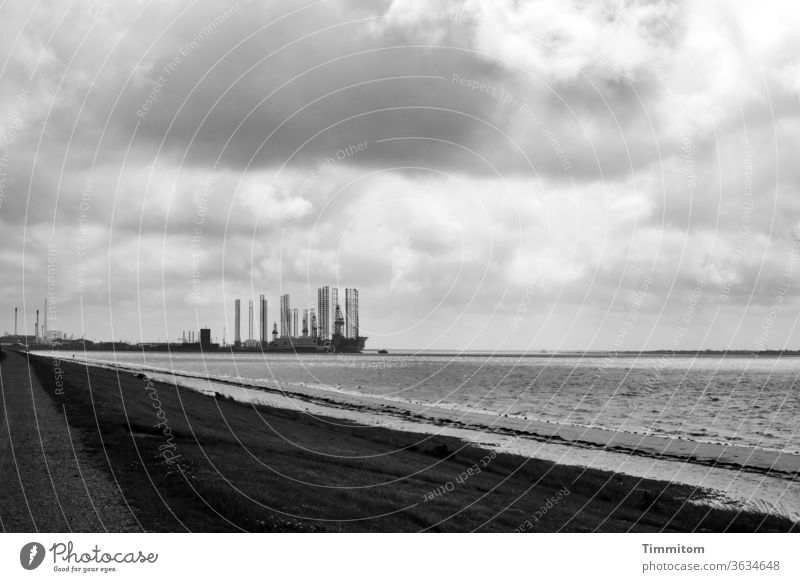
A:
(489, 175)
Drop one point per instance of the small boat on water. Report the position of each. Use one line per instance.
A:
(383, 351)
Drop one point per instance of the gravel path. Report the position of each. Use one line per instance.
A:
(49, 481)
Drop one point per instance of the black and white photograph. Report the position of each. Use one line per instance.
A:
(399, 266)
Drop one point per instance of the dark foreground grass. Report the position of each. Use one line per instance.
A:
(240, 467)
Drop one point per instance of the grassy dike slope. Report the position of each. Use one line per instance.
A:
(239, 467)
(49, 481)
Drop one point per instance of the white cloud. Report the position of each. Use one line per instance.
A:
(646, 114)
(560, 41)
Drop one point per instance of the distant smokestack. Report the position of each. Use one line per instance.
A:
(15, 321)
(36, 327)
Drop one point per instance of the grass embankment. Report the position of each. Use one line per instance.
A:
(239, 467)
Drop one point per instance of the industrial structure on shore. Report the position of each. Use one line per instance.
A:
(42, 333)
(325, 328)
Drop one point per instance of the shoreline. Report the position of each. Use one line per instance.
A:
(369, 352)
(360, 407)
(747, 487)
(343, 452)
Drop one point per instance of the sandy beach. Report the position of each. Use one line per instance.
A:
(197, 462)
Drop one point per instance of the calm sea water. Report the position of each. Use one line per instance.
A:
(735, 400)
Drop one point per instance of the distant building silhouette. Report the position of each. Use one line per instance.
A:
(262, 320)
(286, 318)
(334, 307)
(351, 312)
(314, 329)
(237, 322)
(205, 338)
(250, 321)
(324, 310)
